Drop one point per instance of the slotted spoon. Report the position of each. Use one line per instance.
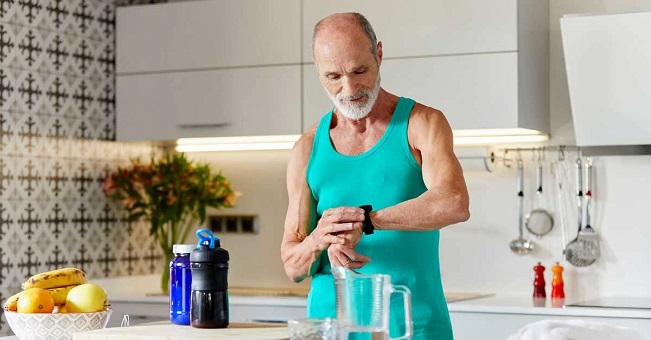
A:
(574, 252)
(588, 238)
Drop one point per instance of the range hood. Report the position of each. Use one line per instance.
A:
(608, 65)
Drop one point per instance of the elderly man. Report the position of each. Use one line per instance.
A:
(373, 148)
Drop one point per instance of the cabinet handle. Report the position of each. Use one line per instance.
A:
(203, 126)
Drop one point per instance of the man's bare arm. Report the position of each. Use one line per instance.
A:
(300, 249)
(446, 200)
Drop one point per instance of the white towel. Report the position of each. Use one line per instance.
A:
(573, 330)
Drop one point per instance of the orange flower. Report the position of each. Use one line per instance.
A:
(168, 191)
(109, 186)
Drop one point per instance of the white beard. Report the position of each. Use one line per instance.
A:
(353, 110)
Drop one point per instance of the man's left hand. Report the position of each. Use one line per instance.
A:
(344, 256)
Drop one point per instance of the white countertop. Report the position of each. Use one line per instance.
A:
(520, 304)
(135, 289)
(497, 304)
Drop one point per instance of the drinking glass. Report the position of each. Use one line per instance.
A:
(312, 329)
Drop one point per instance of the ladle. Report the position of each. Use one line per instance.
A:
(521, 246)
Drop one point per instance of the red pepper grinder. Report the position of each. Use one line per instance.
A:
(539, 294)
(558, 293)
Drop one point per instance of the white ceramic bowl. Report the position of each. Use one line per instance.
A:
(55, 326)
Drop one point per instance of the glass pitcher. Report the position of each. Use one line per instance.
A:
(363, 303)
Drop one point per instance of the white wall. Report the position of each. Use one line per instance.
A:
(475, 256)
(260, 177)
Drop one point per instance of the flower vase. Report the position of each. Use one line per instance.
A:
(167, 235)
(165, 277)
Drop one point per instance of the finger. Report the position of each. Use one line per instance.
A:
(332, 239)
(334, 261)
(344, 214)
(339, 259)
(362, 258)
(356, 265)
(339, 227)
(343, 259)
(354, 256)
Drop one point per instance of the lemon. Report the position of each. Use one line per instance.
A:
(35, 300)
(86, 298)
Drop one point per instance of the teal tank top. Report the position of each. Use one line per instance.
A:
(383, 176)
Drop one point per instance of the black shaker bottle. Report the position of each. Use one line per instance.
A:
(209, 265)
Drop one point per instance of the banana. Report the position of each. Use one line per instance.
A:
(12, 302)
(59, 294)
(56, 278)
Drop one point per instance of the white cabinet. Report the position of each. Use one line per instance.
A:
(483, 63)
(208, 68)
(466, 325)
(465, 87)
(225, 102)
(241, 309)
(607, 58)
(426, 27)
(243, 67)
(207, 34)
(139, 312)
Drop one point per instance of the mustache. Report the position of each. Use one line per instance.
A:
(357, 95)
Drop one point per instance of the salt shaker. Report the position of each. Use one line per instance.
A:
(209, 264)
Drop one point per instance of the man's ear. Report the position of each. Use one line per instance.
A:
(379, 52)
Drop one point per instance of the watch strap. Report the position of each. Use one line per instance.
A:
(367, 225)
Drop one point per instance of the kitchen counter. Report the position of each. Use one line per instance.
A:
(520, 304)
(515, 305)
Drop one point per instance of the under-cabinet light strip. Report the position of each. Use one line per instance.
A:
(286, 142)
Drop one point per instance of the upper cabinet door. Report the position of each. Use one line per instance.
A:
(473, 91)
(426, 27)
(230, 102)
(207, 34)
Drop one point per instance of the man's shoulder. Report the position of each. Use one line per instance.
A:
(303, 146)
(425, 116)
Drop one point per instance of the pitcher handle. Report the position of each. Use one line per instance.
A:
(406, 298)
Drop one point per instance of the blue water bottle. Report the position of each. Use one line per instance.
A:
(180, 284)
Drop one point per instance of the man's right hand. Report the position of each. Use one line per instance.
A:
(334, 221)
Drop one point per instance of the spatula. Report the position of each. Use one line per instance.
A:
(574, 250)
(588, 237)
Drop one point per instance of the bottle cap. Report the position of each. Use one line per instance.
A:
(208, 248)
(183, 248)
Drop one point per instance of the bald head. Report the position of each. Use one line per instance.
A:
(346, 24)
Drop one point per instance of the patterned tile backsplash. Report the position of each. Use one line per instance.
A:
(57, 132)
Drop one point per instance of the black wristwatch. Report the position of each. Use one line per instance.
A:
(367, 226)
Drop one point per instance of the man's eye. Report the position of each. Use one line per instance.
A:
(334, 76)
(360, 71)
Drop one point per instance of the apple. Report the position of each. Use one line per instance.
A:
(86, 298)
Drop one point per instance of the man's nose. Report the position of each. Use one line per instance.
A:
(350, 87)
